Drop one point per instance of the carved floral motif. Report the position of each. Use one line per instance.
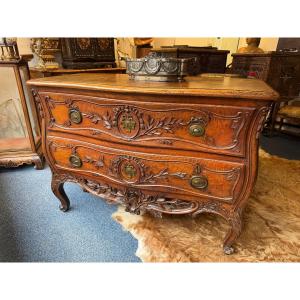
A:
(263, 112)
(98, 163)
(104, 43)
(37, 100)
(143, 173)
(83, 43)
(18, 161)
(134, 200)
(132, 123)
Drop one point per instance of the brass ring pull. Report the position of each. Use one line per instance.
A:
(199, 182)
(197, 130)
(75, 116)
(75, 161)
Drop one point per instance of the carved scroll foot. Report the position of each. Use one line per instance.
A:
(38, 162)
(64, 208)
(57, 186)
(228, 250)
(233, 233)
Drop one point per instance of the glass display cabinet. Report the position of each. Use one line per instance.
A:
(20, 136)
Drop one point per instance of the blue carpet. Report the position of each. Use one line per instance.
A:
(33, 229)
(283, 145)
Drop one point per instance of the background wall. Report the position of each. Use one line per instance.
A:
(24, 45)
(24, 48)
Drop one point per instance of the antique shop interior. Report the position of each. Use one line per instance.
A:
(149, 149)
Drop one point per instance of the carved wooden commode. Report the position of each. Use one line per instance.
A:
(173, 148)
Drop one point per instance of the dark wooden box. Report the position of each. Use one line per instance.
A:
(207, 59)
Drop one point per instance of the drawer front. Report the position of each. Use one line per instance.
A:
(191, 176)
(196, 127)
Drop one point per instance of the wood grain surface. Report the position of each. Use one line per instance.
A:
(194, 86)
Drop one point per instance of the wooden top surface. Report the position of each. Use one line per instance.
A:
(193, 86)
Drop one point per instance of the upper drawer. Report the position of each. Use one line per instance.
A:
(198, 127)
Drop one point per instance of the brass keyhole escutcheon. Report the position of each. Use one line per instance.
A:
(197, 130)
(75, 116)
(199, 182)
(75, 161)
(130, 171)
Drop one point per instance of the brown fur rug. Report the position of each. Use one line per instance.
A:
(271, 224)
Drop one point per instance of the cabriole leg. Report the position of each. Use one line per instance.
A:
(57, 186)
(234, 232)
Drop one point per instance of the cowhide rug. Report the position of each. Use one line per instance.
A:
(271, 224)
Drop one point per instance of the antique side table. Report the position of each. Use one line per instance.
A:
(166, 148)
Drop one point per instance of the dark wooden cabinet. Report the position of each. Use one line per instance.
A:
(279, 69)
(288, 44)
(207, 59)
(167, 148)
(85, 53)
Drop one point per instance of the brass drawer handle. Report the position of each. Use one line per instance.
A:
(75, 161)
(75, 116)
(197, 130)
(199, 182)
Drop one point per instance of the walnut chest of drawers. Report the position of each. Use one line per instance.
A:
(165, 148)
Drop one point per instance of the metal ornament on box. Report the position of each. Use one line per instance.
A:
(156, 68)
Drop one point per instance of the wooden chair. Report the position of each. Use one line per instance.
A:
(289, 114)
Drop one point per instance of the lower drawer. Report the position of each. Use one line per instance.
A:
(192, 176)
